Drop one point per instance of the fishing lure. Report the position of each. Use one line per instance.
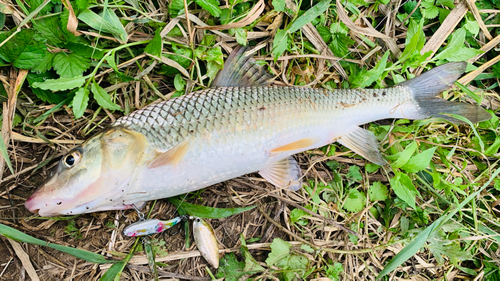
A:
(150, 226)
(206, 242)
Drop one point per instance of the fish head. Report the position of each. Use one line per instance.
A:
(92, 177)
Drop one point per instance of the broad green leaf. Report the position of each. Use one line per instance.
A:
(280, 249)
(230, 269)
(280, 43)
(207, 212)
(420, 161)
(378, 191)
(155, 47)
(45, 65)
(429, 10)
(212, 6)
(179, 83)
(240, 34)
(45, 95)
(70, 65)
(50, 29)
(279, 5)
(454, 44)
(61, 84)
(22, 51)
(340, 43)
(405, 155)
(403, 187)
(309, 15)
(108, 24)
(355, 201)
(371, 168)
(325, 33)
(19, 236)
(375, 73)
(251, 265)
(103, 98)
(354, 174)
(464, 54)
(80, 102)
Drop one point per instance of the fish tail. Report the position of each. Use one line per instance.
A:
(427, 86)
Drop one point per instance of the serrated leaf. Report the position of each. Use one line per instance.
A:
(371, 168)
(325, 33)
(61, 84)
(70, 65)
(339, 44)
(212, 6)
(378, 191)
(50, 29)
(429, 11)
(80, 102)
(22, 51)
(279, 5)
(240, 34)
(280, 43)
(420, 161)
(402, 185)
(155, 47)
(472, 26)
(309, 15)
(45, 65)
(103, 98)
(307, 248)
(354, 174)
(230, 268)
(355, 201)
(279, 250)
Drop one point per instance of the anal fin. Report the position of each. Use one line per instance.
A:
(364, 143)
(296, 145)
(172, 156)
(284, 173)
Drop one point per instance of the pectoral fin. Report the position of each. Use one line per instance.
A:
(172, 156)
(284, 173)
(300, 144)
(364, 143)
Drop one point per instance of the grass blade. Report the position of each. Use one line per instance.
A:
(5, 155)
(309, 15)
(411, 249)
(19, 236)
(207, 212)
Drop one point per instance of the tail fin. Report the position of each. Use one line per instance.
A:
(427, 86)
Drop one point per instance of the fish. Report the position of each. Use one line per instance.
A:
(206, 242)
(150, 226)
(238, 126)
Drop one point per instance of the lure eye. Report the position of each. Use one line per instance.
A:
(72, 159)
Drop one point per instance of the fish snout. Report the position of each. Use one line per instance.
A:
(39, 204)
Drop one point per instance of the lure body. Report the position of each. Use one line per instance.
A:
(150, 226)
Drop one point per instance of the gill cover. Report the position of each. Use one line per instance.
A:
(101, 170)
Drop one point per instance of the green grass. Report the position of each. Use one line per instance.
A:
(436, 202)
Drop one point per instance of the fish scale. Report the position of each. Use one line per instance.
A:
(278, 109)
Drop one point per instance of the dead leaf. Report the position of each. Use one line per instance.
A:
(370, 31)
(252, 15)
(72, 20)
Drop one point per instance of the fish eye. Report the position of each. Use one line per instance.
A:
(71, 159)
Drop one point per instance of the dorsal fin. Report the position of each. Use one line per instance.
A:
(240, 70)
